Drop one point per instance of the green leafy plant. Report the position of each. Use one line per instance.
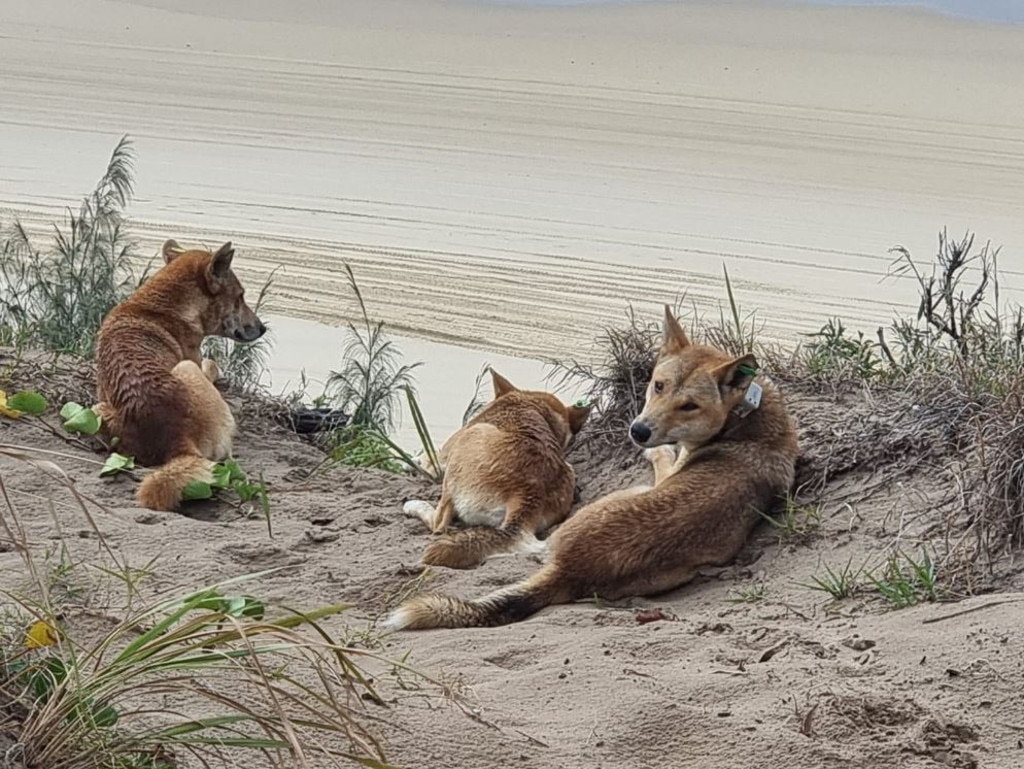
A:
(229, 475)
(365, 447)
(79, 419)
(835, 354)
(27, 402)
(117, 463)
(56, 299)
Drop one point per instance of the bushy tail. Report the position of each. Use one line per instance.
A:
(466, 548)
(162, 489)
(502, 607)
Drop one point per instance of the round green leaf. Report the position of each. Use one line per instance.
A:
(235, 470)
(116, 463)
(221, 476)
(105, 716)
(83, 421)
(197, 490)
(27, 401)
(69, 409)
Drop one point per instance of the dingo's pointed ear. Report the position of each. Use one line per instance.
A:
(171, 251)
(221, 263)
(578, 416)
(673, 337)
(737, 374)
(501, 385)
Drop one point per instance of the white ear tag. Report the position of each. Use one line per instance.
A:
(751, 401)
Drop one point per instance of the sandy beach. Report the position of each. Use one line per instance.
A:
(504, 179)
(507, 177)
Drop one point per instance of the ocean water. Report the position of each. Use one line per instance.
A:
(1003, 11)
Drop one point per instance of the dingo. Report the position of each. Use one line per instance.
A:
(736, 457)
(505, 475)
(155, 392)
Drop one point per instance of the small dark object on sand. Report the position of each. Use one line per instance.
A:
(306, 420)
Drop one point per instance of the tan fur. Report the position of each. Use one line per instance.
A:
(155, 393)
(700, 511)
(505, 476)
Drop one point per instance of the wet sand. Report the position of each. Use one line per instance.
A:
(507, 178)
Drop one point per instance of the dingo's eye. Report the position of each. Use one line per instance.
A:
(659, 386)
(689, 407)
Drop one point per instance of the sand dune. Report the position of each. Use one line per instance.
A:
(505, 177)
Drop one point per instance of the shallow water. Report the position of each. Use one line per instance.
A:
(444, 380)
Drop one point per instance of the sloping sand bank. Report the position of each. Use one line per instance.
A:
(746, 668)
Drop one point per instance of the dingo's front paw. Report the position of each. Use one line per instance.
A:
(660, 454)
(211, 370)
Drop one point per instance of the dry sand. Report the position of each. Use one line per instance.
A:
(790, 680)
(507, 178)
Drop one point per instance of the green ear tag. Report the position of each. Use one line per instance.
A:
(582, 403)
(743, 368)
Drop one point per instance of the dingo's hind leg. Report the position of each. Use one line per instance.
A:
(436, 519)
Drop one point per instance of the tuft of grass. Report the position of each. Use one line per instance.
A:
(477, 401)
(98, 703)
(753, 594)
(618, 379)
(55, 299)
(243, 364)
(736, 333)
(369, 386)
(364, 447)
(369, 383)
(904, 581)
(842, 582)
(795, 521)
(205, 676)
(834, 354)
(430, 466)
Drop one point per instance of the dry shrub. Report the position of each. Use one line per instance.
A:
(945, 388)
(625, 359)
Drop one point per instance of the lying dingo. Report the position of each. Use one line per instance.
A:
(505, 476)
(737, 451)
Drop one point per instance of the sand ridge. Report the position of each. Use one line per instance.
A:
(743, 668)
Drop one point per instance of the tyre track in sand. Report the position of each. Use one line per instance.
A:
(514, 203)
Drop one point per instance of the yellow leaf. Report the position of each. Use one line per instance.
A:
(41, 633)
(7, 412)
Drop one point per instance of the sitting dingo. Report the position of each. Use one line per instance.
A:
(155, 392)
(505, 476)
(736, 457)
